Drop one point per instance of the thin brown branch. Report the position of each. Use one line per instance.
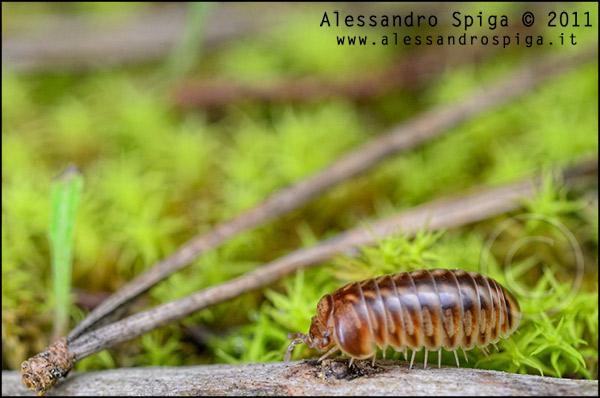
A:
(406, 136)
(406, 74)
(412, 71)
(332, 377)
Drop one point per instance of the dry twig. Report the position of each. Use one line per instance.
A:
(411, 72)
(407, 74)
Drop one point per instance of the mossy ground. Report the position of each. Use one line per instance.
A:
(156, 176)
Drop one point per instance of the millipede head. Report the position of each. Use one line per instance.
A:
(317, 337)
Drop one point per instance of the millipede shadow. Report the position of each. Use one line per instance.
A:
(339, 368)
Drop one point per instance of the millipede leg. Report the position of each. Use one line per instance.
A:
(484, 350)
(288, 353)
(351, 360)
(405, 355)
(328, 353)
(496, 347)
(425, 363)
(373, 362)
(412, 359)
(464, 352)
(456, 357)
(440, 358)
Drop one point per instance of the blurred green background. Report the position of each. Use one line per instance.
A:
(157, 173)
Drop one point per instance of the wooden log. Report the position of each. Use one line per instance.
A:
(75, 43)
(332, 377)
(79, 43)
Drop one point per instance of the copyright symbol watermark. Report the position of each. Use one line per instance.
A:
(528, 18)
(526, 253)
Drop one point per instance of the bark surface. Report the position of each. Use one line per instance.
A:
(332, 377)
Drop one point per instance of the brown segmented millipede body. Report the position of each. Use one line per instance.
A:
(435, 309)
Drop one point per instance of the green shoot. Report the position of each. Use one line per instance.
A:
(187, 52)
(66, 190)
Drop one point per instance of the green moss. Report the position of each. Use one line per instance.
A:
(266, 157)
(301, 48)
